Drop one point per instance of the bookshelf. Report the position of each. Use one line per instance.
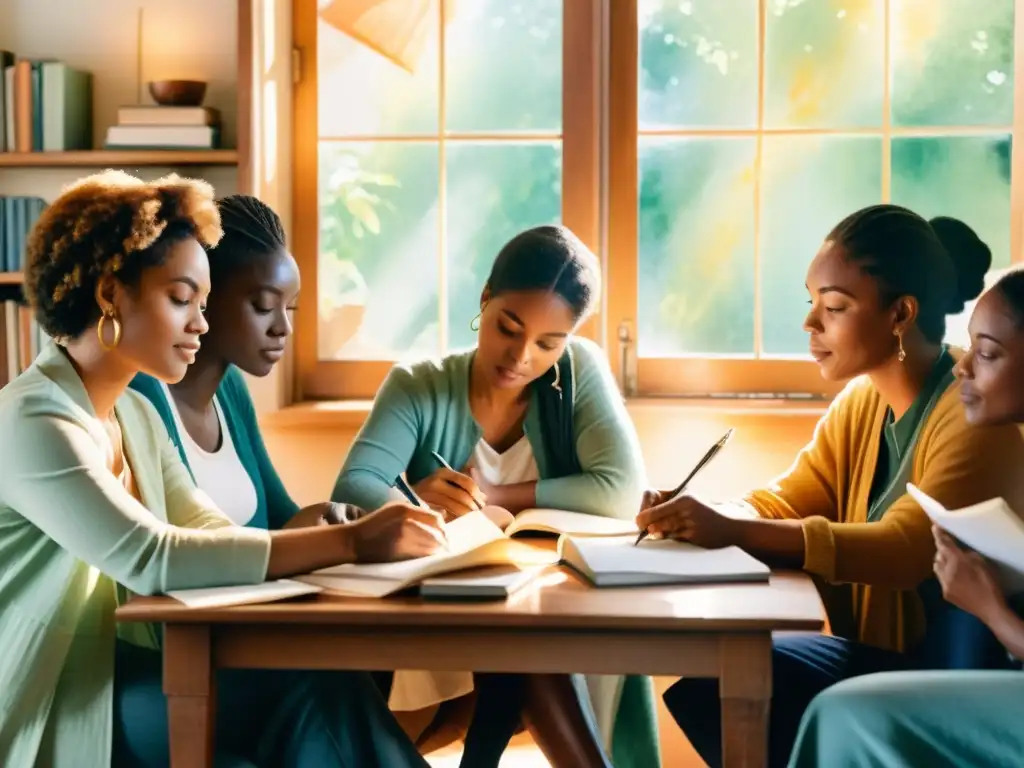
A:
(101, 158)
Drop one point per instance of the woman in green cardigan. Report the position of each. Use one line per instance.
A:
(95, 504)
(945, 718)
(531, 417)
(209, 413)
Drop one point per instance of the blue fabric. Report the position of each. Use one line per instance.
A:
(274, 507)
(802, 667)
(285, 718)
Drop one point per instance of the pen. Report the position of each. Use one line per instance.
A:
(408, 492)
(440, 460)
(712, 452)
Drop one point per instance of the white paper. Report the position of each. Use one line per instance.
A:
(990, 528)
(219, 597)
(560, 521)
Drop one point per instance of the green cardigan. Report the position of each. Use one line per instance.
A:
(274, 507)
(73, 541)
(425, 407)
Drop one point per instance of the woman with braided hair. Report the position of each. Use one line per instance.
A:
(95, 504)
(209, 413)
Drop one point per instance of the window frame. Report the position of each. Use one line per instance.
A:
(581, 173)
(763, 375)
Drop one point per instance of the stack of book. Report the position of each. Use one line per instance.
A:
(158, 127)
(20, 339)
(45, 106)
(17, 217)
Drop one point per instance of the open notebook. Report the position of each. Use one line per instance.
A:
(558, 522)
(990, 528)
(618, 562)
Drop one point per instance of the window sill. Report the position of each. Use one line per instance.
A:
(350, 414)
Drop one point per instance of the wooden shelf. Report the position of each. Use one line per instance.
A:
(128, 158)
(11, 278)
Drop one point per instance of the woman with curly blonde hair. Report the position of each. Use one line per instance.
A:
(96, 504)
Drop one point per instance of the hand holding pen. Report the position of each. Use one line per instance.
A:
(452, 491)
(657, 511)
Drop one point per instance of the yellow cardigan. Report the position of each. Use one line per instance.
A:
(883, 562)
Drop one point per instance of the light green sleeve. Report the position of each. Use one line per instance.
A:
(56, 477)
(613, 478)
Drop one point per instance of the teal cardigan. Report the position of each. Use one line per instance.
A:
(274, 507)
(73, 541)
(425, 407)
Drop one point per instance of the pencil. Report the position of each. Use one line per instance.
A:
(440, 460)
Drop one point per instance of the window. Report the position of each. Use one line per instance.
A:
(742, 131)
(417, 159)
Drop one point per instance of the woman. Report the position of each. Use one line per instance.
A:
(209, 413)
(534, 419)
(950, 718)
(95, 504)
(880, 288)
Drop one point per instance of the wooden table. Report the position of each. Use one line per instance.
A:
(558, 625)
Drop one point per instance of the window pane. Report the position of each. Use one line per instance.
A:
(698, 63)
(494, 191)
(361, 92)
(964, 176)
(808, 185)
(378, 268)
(504, 66)
(952, 62)
(696, 269)
(824, 64)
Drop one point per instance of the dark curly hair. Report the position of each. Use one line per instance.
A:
(110, 223)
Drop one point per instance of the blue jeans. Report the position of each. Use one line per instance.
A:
(802, 667)
(286, 718)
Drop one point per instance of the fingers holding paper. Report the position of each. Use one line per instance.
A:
(398, 531)
(968, 580)
(688, 519)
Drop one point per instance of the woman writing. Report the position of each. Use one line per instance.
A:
(209, 413)
(533, 418)
(945, 718)
(880, 288)
(95, 503)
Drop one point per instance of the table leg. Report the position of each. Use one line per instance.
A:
(191, 694)
(745, 683)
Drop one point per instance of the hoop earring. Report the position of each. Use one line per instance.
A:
(108, 315)
(902, 354)
(474, 324)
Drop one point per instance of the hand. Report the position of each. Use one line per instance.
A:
(688, 519)
(968, 580)
(654, 498)
(397, 531)
(450, 491)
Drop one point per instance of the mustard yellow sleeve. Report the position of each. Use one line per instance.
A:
(957, 465)
(808, 487)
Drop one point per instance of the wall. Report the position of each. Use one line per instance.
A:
(185, 39)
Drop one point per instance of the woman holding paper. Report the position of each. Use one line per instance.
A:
(880, 288)
(533, 418)
(95, 504)
(944, 718)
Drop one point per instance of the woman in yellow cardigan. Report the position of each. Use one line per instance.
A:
(880, 288)
(95, 503)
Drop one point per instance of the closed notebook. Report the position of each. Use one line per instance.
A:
(617, 562)
(498, 582)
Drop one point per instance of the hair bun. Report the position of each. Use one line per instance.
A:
(971, 259)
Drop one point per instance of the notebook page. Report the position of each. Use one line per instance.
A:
(664, 557)
(247, 594)
(560, 521)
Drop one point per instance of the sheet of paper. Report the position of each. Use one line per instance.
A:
(664, 557)
(219, 597)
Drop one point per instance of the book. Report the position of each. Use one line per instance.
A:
(619, 562)
(246, 594)
(990, 528)
(559, 522)
(497, 582)
(474, 541)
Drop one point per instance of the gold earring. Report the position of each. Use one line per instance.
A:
(108, 315)
(902, 354)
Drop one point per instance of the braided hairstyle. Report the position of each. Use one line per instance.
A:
(109, 223)
(251, 229)
(941, 263)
